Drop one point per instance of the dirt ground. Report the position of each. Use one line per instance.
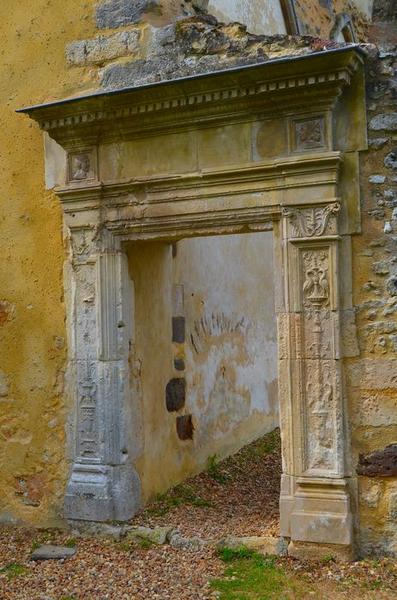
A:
(238, 496)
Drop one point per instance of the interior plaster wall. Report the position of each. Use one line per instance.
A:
(230, 351)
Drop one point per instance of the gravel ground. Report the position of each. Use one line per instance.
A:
(238, 496)
(103, 570)
(241, 493)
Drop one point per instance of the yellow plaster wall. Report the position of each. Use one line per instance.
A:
(33, 34)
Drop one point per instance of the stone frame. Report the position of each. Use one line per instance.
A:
(302, 196)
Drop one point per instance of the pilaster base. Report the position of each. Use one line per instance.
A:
(317, 511)
(316, 552)
(102, 493)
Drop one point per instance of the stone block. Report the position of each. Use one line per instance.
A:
(193, 544)
(4, 385)
(377, 179)
(103, 49)
(386, 122)
(262, 544)
(49, 552)
(390, 161)
(157, 536)
(393, 507)
(373, 374)
(175, 394)
(315, 552)
(178, 330)
(185, 427)
(116, 13)
(382, 463)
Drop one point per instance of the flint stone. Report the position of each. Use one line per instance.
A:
(377, 179)
(48, 552)
(262, 544)
(386, 121)
(391, 160)
(378, 143)
(158, 535)
(116, 13)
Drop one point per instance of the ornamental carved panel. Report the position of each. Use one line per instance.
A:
(313, 221)
(82, 166)
(87, 412)
(309, 134)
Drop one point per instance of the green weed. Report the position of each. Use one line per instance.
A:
(14, 570)
(180, 495)
(250, 576)
(214, 471)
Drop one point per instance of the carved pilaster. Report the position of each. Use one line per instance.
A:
(103, 485)
(309, 334)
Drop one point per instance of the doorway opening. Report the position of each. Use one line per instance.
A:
(204, 366)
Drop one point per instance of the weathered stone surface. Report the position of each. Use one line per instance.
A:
(199, 45)
(4, 385)
(262, 544)
(185, 427)
(308, 551)
(373, 374)
(179, 364)
(102, 49)
(379, 464)
(178, 330)
(49, 552)
(386, 122)
(374, 409)
(377, 143)
(193, 544)
(176, 394)
(105, 530)
(391, 160)
(116, 13)
(158, 535)
(377, 179)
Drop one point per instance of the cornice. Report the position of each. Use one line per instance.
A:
(288, 86)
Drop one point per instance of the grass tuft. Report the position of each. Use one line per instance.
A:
(214, 470)
(180, 495)
(14, 570)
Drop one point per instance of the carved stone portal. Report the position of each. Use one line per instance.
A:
(296, 194)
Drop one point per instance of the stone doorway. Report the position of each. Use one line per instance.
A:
(259, 148)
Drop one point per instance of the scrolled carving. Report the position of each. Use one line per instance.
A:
(314, 221)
